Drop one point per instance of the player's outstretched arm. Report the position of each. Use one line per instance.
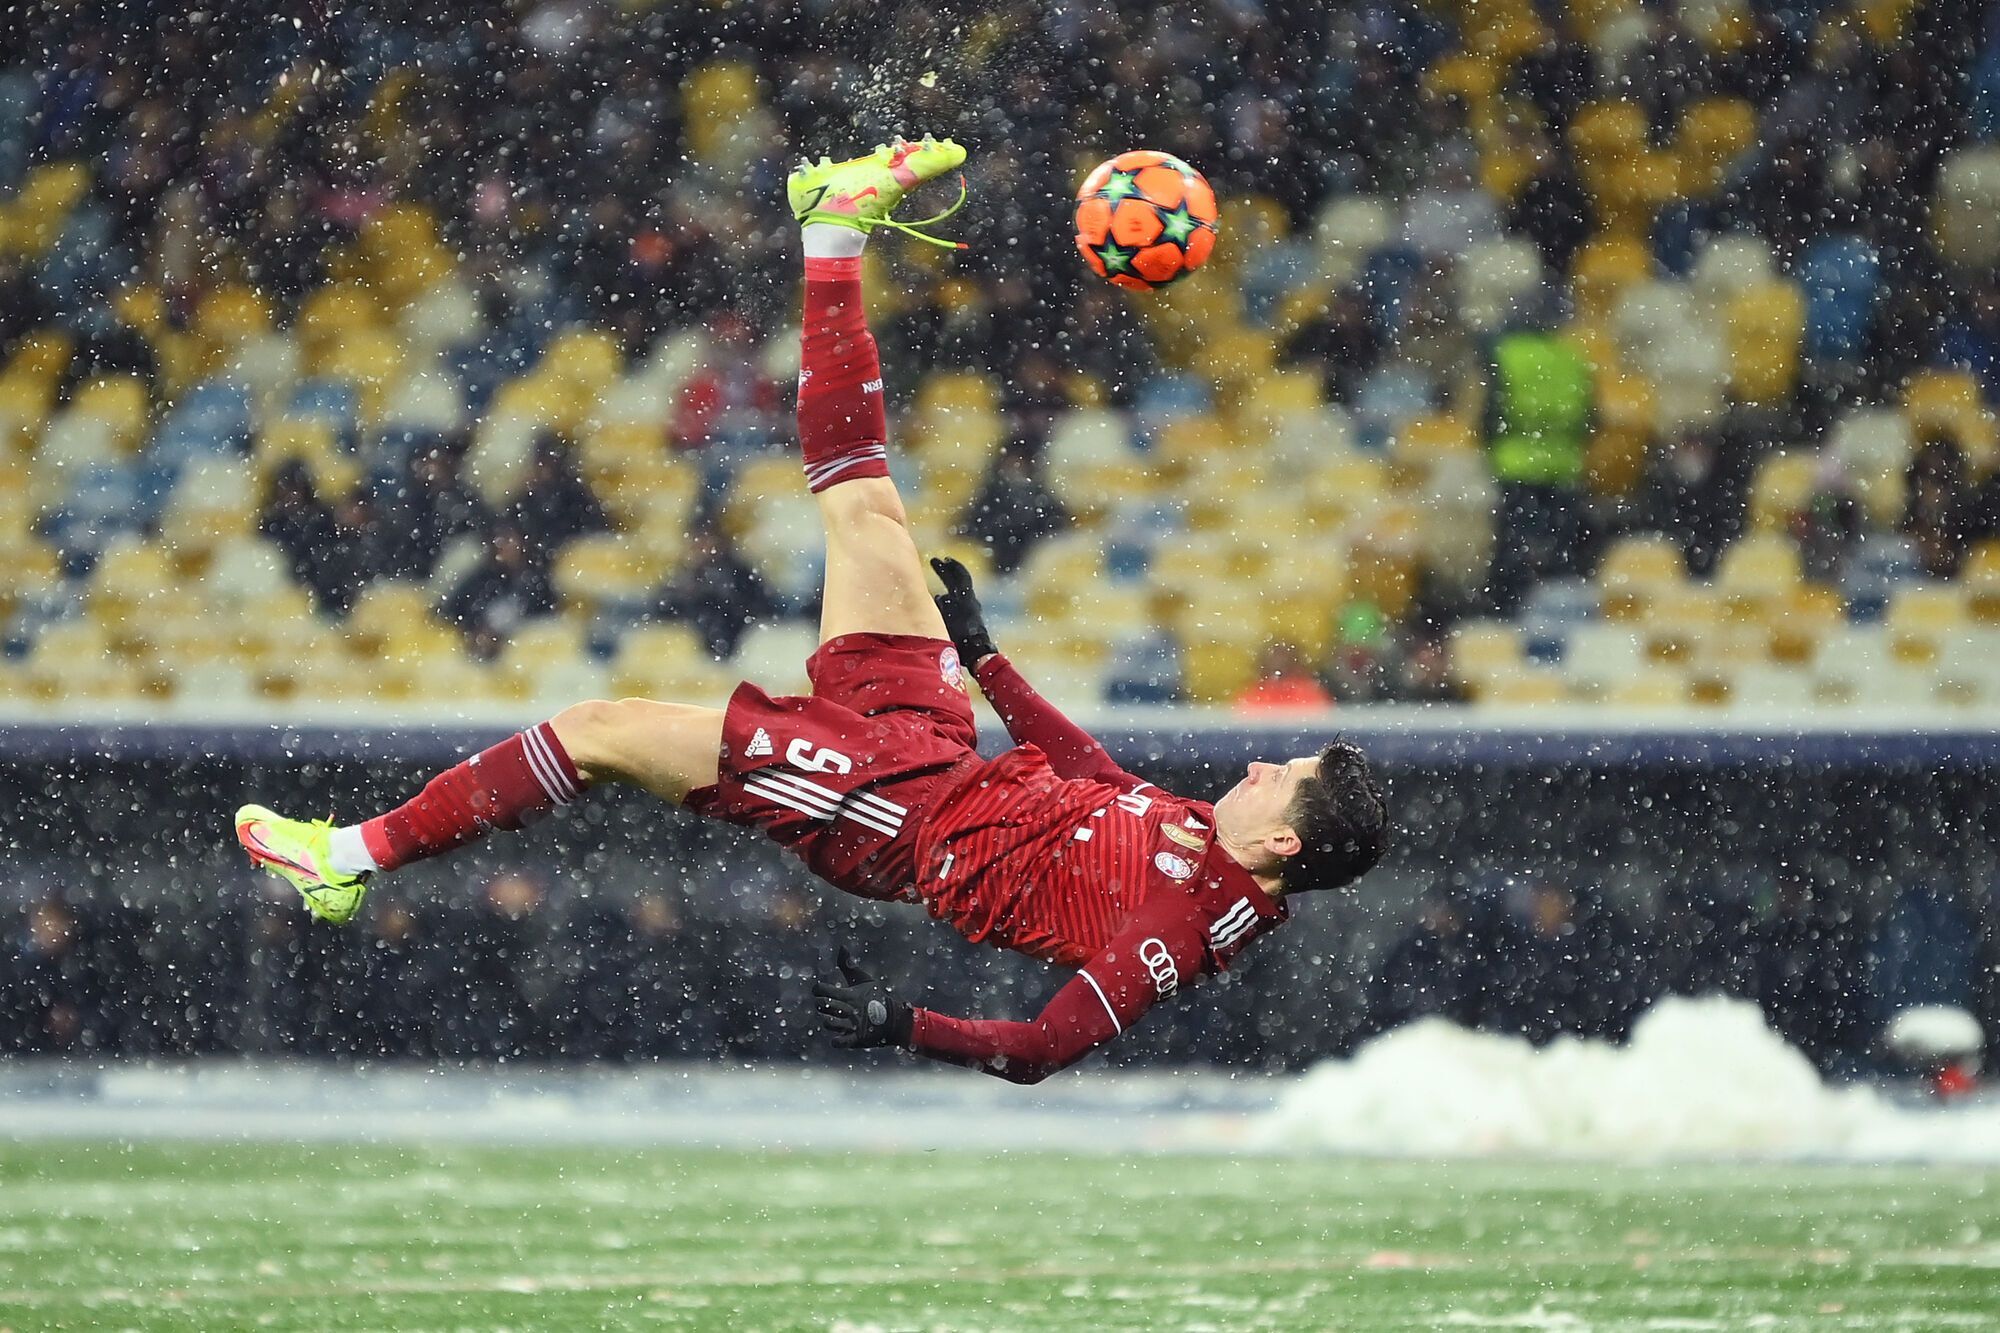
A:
(1030, 719)
(1144, 964)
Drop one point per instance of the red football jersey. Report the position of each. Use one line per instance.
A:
(1053, 850)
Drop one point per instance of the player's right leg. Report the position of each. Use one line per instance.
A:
(874, 576)
(668, 749)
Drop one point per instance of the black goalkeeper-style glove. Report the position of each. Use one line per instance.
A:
(959, 606)
(862, 1012)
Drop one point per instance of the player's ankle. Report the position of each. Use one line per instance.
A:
(830, 240)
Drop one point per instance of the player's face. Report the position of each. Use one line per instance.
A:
(1255, 808)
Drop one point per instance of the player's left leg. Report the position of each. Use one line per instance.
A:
(874, 576)
(667, 749)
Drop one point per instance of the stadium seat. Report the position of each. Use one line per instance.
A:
(1713, 134)
(667, 662)
(1765, 333)
(1782, 488)
(1538, 687)
(598, 569)
(1654, 687)
(1605, 268)
(1485, 650)
(1968, 199)
(1730, 265)
(1492, 280)
(1950, 401)
(1922, 618)
(1981, 579)
(1636, 571)
(1873, 445)
(1842, 280)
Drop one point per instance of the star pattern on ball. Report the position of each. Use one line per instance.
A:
(1116, 258)
(1177, 224)
(1122, 185)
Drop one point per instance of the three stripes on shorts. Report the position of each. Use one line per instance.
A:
(821, 802)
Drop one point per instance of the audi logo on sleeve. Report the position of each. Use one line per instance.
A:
(1166, 977)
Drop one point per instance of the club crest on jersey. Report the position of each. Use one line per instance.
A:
(951, 670)
(1174, 867)
(1191, 841)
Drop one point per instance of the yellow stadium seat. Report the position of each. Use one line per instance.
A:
(1606, 134)
(1484, 650)
(1765, 327)
(41, 356)
(1192, 441)
(1584, 18)
(584, 358)
(1090, 490)
(1654, 688)
(1636, 571)
(604, 567)
(42, 206)
(714, 97)
(1426, 438)
(1763, 564)
(1214, 671)
(1922, 618)
(1536, 687)
(1236, 356)
(1950, 401)
(667, 662)
(1678, 622)
(1714, 132)
(1464, 76)
(1783, 487)
(232, 313)
(1796, 627)
(1345, 486)
(1284, 392)
(1605, 267)
(1981, 578)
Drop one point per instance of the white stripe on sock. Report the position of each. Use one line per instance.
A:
(541, 767)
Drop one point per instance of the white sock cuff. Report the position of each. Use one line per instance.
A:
(830, 240)
(348, 851)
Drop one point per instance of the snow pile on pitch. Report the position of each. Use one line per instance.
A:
(1701, 1078)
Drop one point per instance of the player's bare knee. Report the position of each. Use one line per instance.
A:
(590, 732)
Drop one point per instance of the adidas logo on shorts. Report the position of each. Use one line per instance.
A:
(759, 746)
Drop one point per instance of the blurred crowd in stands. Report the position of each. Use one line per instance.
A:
(517, 973)
(492, 301)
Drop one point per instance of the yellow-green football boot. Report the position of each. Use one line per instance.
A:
(299, 851)
(861, 192)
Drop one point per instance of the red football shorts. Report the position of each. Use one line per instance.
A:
(843, 776)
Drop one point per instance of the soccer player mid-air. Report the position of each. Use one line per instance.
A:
(872, 780)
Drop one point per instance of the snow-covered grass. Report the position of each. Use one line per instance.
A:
(286, 1236)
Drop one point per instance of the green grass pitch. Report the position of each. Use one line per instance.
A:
(290, 1237)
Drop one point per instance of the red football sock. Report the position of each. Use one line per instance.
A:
(842, 425)
(523, 776)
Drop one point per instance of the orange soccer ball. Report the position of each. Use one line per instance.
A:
(1145, 219)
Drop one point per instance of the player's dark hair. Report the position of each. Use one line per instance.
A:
(1341, 819)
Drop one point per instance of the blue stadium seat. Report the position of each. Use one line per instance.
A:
(1879, 563)
(1680, 233)
(1145, 670)
(211, 418)
(1385, 282)
(1842, 277)
(331, 400)
(105, 502)
(1171, 394)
